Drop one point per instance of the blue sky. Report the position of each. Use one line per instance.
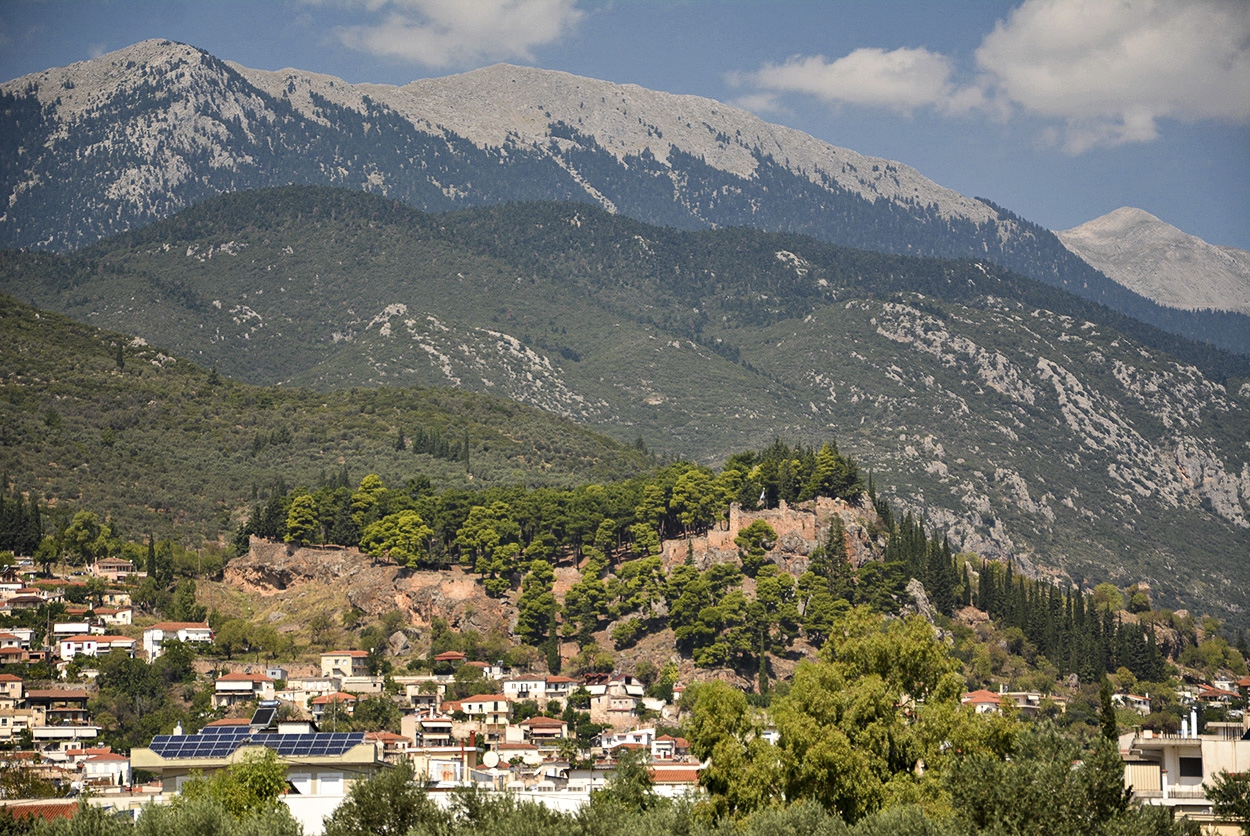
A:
(1060, 110)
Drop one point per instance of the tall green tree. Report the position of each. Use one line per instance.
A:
(402, 537)
(302, 523)
(753, 543)
(536, 608)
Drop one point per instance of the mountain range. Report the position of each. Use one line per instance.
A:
(1024, 421)
(106, 145)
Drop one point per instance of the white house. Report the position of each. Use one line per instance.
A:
(1175, 770)
(85, 645)
(106, 770)
(196, 632)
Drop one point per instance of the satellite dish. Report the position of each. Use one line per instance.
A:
(490, 760)
(533, 758)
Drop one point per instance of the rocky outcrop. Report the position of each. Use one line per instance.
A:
(369, 586)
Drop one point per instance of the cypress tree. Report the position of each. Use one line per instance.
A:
(151, 563)
(1110, 730)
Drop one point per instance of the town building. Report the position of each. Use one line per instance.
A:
(344, 663)
(321, 766)
(194, 632)
(241, 688)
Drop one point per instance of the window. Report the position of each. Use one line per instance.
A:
(332, 783)
(1191, 767)
(301, 782)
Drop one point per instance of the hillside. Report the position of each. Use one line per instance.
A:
(1026, 422)
(107, 145)
(157, 444)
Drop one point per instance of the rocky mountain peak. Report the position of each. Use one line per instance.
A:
(1159, 261)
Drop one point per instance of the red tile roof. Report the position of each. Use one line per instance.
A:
(337, 696)
(45, 810)
(56, 694)
(387, 737)
(486, 698)
(675, 776)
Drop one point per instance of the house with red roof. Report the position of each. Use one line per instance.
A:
(32, 811)
(11, 690)
(1136, 702)
(88, 645)
(391, 747)
(107, 769)
(666, 747)
(543, 731)
(321, 704)
(492, 713)
(982, 701)
(240, 688)
(1209, 695)
(115, 616)
(194, 632)
(674, 780)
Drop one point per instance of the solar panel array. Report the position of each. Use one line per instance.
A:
(221, 741)
(317, 744)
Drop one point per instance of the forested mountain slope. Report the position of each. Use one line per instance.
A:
(106, 145)
(97, 420)
(1026, 421)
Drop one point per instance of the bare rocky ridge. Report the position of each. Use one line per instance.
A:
(493, 105)
(1158, 261)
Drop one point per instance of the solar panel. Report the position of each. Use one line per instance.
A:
(225, 739)
(264, 716)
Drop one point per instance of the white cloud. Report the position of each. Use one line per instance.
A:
(900, 79)
(1111, 70)
(445, 33)
(1103, 72)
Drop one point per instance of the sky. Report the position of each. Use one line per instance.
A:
(1060, 110)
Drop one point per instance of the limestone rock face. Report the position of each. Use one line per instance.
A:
(371, 587)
